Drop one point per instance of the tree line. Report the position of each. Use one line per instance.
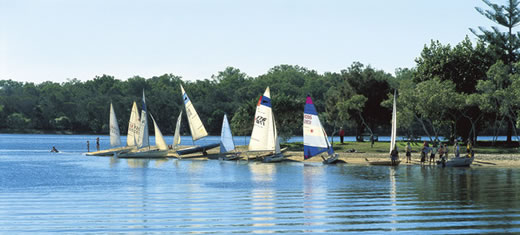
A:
(455, 92)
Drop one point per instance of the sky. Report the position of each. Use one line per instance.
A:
(56, 40)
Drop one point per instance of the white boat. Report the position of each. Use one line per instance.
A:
(264, 137)
(457, 161)
(115, 138)
(392, 138)
(315, 140)
(144, 149)
(227, 145)
(197, 129)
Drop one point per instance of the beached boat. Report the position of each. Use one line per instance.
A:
(144, 150)
(197, 129)
(458, 162)
(315, 140)
(227, 145)
(115, 138)
(392, 139)
(264, 138)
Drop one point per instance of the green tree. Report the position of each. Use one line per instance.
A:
(505, 45)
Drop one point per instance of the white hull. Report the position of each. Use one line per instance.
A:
(110, 152)
(331, 159)
(273, 158)
(459, 162)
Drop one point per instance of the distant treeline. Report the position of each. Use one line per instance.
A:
(456, 92)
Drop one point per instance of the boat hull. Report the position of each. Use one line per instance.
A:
(145, 154)
(458, 162)
(197, 149)
(384, 163)
(110, 152)
(273, 158)
(331, 159)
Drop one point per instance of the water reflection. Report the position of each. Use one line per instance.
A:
(393, 192)
(314, 197)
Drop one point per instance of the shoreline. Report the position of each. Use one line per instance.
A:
(359, 158)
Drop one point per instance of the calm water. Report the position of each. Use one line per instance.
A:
(70, 192)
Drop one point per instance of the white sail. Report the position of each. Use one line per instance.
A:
(115, 137)
(143, 140)
(133, 127)
(394, 125)
(226, 138)
(159, 139)
(177, 135)
(264, 136)
(196, 127)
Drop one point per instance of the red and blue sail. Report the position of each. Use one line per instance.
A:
(315, 140)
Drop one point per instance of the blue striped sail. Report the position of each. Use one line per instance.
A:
(315, 139)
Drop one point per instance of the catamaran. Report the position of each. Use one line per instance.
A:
(197, 129)
(315, 140)
(264, 137)
(115, 138)
(144, 149)
(227, 145)
(393, 136)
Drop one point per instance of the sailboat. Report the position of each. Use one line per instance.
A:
(115, 138)
(227, 145)
(315, 140)
(143, 143)
(393, 136)
(133, 127)
(177, 135)
(197, 129)
(264, 137)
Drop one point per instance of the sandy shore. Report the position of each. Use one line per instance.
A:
(481, 160)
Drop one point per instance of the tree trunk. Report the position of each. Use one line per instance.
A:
(509, 130)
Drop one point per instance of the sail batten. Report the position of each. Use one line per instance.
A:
(197, 129)
(315, 140)
(115, 136)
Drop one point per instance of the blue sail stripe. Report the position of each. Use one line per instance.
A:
(310, 109)
(266, 101)
(310, 151)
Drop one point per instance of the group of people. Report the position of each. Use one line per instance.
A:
(440, 149)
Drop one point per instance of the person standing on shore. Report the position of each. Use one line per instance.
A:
(88, 146)
(394, 155)
(432, 153)
(424, 152)
(97, 143)
(408, 153)
(456, 149)
(341, 134)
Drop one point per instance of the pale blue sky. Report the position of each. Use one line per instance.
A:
(59, 39)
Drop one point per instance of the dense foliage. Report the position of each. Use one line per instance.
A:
(453, 91)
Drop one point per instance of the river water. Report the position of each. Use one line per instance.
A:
(69, 192)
